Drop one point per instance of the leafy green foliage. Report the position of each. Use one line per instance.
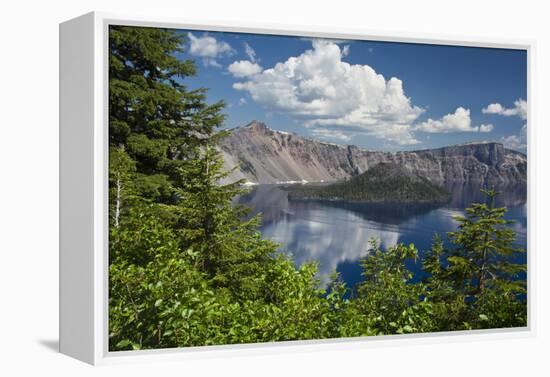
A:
(387, 296)
(187, 268)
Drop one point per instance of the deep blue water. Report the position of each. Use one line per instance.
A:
(336, 234)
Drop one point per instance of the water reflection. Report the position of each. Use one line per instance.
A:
(463, 194)
(336, 234)
(385, 213)
(327, 235)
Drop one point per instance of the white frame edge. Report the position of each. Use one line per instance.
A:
(84, 213)
(76, 244)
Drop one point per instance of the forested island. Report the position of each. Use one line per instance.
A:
(188, 268)
(385, 182)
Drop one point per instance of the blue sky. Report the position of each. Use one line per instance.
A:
(378, 95)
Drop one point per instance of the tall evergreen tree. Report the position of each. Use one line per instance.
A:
(156, 129)
(152, 115)
(483, 246)
(477, 278)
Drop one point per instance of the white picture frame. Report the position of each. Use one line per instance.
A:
(84, 190)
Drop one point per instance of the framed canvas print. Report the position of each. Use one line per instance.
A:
(230, 189)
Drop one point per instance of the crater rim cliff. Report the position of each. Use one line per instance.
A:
(267, 156)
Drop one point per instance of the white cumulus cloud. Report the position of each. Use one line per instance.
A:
(519, 109)
(324, 92)
(486, 128)
(459, 121)
(518, 142)
(244, 68)
(208, 48)
(329, 134)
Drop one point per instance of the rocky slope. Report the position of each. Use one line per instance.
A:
(264, 155)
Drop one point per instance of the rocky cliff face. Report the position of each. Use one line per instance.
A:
(268, 156)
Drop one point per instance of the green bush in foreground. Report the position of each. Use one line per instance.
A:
(185, 269)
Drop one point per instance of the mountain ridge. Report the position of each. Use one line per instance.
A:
(264, 155)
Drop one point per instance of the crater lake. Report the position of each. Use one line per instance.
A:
(336, 234)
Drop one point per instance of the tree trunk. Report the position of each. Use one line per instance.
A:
(118, 200)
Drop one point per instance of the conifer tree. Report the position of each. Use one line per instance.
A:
(477, 277)
(152, 115)
(483, 246)
(229, 247)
